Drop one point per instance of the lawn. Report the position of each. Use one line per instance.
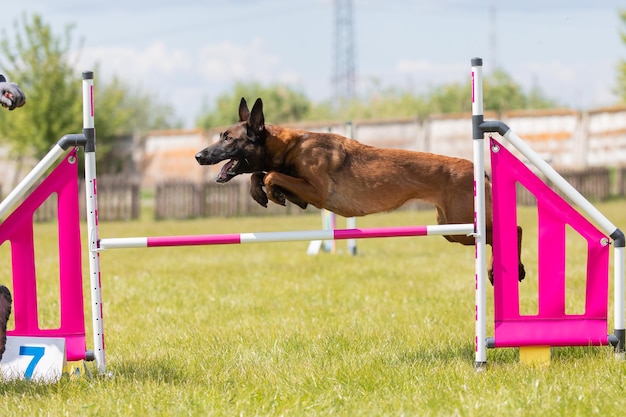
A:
(266, 330)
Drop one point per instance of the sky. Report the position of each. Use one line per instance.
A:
(186, 53)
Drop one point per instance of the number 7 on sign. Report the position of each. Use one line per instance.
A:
(33, 358)
(37, 353)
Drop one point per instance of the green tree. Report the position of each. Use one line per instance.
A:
(449, 98)
(281, 104)
(502, 93)
(40, 63)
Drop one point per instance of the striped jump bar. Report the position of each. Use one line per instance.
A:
(305, 235)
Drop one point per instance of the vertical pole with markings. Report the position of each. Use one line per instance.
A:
(479, 214)
(92, 220)
(351, 221)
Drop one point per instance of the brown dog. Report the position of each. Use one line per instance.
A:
(342, 175)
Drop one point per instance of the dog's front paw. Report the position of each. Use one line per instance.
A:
(256, 188)
(277, 196)
(259, 195)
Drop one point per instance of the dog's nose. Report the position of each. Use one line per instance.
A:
(199, 157)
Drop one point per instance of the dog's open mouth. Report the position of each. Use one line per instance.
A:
(228, 171)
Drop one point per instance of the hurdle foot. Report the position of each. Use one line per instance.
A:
(480, 366)
(534, 355)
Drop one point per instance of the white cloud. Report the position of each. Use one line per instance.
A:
(136, 65)
(581, 84)
(564, 74)
(227, 61)
(195, 74)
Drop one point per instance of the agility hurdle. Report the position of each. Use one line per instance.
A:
(17, 228)
(551, 326)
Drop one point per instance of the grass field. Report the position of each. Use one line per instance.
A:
(265, 330)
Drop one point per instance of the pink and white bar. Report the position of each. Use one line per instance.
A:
(305, 235)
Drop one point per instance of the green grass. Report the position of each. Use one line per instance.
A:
(264, 329)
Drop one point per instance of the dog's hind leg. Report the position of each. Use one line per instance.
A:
(466, 240)
(521, 270)
(5, 313)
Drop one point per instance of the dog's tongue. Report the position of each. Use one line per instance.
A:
(223, 176)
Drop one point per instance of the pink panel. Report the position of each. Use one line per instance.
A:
(18, 229)
(551, 326)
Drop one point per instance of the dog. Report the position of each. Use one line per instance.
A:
(343, 175)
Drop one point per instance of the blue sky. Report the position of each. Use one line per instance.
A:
(188, 52)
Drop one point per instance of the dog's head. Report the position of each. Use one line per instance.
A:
(242, 144)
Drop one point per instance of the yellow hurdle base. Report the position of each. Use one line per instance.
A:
(534, 355)
(75, 370)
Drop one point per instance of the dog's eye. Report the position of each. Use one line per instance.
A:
(225, 138)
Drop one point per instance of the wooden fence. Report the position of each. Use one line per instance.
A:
(184, 200)
(118, 199)
(596, 184)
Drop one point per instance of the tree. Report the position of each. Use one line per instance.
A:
(502, 93)
(449, 98)
(280, 103)
(40, 63)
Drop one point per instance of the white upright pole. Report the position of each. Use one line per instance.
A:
(618, 296)
(351, 221)
(92, 221)
(479, 214)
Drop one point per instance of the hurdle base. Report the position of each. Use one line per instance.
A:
(76, 369)
(534, 355)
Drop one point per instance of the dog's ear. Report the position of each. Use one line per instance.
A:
(256, 122)
(244, 113)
